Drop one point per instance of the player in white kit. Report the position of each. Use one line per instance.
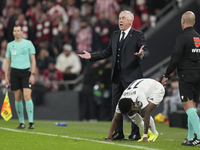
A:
(142, 94)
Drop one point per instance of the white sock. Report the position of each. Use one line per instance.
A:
(137, 119)
(152, 126)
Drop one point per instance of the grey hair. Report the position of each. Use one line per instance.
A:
(130, 14)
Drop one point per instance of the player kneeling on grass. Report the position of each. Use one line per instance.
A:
(144, 95)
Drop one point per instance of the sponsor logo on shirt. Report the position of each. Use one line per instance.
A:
(197, 44)
(195, 50)
(151, 99)
(196, 41)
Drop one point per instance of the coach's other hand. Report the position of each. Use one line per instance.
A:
(140, 53)
(86, 55)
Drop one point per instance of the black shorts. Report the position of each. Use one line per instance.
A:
(19, 79)
(189, 86)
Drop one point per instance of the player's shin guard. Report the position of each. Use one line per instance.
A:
(29, 110)
(190, 130)
(152, 126)
(20, 110)
(137, 119)
(194, 120)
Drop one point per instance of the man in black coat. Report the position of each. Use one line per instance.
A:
(127, 47)
(185, 59)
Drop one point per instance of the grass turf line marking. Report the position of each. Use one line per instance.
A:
(76, 138)
(112, 143)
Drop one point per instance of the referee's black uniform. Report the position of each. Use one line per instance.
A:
(186, 58)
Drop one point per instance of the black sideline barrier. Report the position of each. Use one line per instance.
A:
(178, 119)
(56, 106)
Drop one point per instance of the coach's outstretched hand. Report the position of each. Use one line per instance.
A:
(140, 53)
(86, 55)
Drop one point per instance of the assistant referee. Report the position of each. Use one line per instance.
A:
(186, 58)
(20, 70)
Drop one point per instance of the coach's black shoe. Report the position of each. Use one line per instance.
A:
(21, 126)
(117, 136)
(133, 137)
(187, 142)
(31, 126)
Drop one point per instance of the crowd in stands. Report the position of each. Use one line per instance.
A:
(59, 29)
(172, 101)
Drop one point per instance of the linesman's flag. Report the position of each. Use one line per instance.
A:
(6, 111)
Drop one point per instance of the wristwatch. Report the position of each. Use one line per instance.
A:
(33, 73)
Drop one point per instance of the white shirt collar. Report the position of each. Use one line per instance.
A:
(126, 33)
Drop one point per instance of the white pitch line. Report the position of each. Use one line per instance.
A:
(104, 142)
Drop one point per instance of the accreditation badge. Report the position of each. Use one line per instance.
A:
(13, 52)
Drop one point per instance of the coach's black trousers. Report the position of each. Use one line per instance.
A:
(117, 89)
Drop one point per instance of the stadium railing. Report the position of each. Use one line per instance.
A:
(154, 19)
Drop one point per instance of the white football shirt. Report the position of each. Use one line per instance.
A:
(142, 91)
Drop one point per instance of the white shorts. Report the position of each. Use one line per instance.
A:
(157, 95)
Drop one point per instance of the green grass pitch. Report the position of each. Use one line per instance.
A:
(83, 136)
